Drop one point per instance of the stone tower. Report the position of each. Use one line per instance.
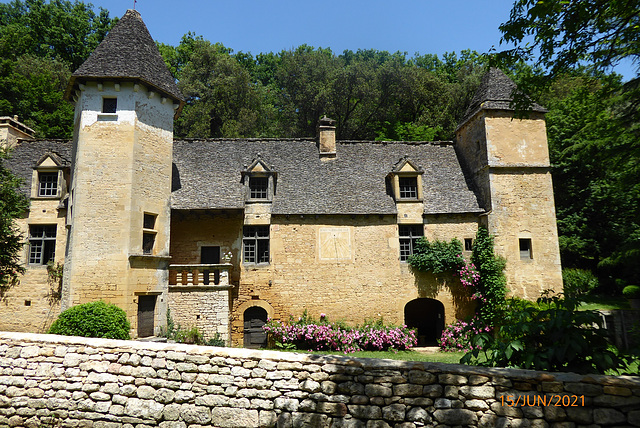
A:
(119, 201)
(508, 160)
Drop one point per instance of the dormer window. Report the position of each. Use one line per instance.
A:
(406, 181)
(260, 181)
(109, 105)
(259, 187)
(408, 187)
(47, 184)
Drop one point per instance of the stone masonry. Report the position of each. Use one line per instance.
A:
(59, 381)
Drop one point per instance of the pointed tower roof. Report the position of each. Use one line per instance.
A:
(495, 93)
(128, 52)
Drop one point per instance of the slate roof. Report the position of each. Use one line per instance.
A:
(25, 156)
(128, 52)
(495, 92)
(207, 175)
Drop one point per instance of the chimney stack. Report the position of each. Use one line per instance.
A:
(327, 137)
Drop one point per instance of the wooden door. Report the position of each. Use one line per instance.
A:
(254, 336)
(146, 315)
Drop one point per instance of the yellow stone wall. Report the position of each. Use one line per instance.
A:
(122, 170)
(30, 306)
(346, 267)
(509, 162)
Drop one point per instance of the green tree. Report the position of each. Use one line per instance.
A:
(12, 205)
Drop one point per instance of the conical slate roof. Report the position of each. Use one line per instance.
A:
(494, 93)
(128, 52)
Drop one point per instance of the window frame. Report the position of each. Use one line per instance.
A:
(107, 107)
(413, 193)
(525, 246)
(255, 246)
(53, 184)
(149, 233)
(259, 187)
(408, 240)
(42, 247)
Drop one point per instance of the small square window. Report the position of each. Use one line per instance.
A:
(149, 221)
(525, 249)
(47, 184)
(109, 105)
(259, 187)
(408, 187)
(468, 244)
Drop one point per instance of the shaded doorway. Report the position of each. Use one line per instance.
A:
(210, 256)
(146, 315)
(254, 336)
(427, 316)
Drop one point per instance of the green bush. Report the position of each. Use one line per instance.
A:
(94, 319)
(631, 292)
(437, 257)
(551, 335)
(579, 282)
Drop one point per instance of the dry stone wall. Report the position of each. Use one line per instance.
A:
(60, 381)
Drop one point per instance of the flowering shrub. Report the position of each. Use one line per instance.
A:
(457, 337)
(470, 278)
(305, 333)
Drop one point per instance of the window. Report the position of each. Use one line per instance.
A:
(42, 244)
(468, 244)
(148, 233)
(255, 244)
(47, 184)
(258, 187)
(525, 249)
(109, 105)
(408, 187)
(409, 235)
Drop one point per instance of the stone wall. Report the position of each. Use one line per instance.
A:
(208, 310)
(78, 382)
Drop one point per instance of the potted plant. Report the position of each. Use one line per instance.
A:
(632, 292)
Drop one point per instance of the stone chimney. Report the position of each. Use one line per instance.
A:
(327, 137)
(11, 130)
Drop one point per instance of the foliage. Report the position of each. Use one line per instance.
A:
(596, 172)
(552, 335)
(567, 33)
(631, 292)
(94, 319)
(12, 205)
(437, 256)
(492, 284)
(40, 44)
(457, 337)
(55, 273)
(216, 340)
(307, 333)
(191, 335)
(579, 282)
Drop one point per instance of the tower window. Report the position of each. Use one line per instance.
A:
(148, 233)
(109, 105)
(525, 249)
(468, 244)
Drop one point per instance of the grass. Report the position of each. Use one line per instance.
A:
(434, 357)
(598, 303)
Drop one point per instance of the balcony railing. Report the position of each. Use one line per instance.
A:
(199, 275)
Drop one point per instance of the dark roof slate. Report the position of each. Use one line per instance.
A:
(128, 52)
(25, 157)
(208, 176)
(495, 92)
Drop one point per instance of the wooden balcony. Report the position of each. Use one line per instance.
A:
(215, 276)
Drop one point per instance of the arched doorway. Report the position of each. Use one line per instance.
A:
(427, 316)
(254, 336)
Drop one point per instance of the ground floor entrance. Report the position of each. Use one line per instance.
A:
(427, 317)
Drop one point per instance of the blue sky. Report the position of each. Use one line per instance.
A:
(423, 26)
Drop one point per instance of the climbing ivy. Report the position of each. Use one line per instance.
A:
(437, 256)
(492, 285)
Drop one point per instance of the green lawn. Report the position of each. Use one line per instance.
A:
(603, 303)
(435, 357)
